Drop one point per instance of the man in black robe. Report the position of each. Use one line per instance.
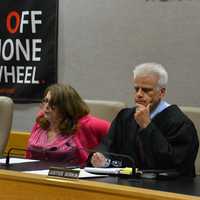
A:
(154, 133)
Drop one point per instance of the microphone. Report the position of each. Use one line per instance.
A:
(133, 170)
(25, 150)
(16, 154)
(115, 163)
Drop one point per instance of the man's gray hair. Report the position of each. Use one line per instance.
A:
(153, 69)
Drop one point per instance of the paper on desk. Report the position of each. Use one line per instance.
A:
(83, 173)
(40, 172)
(17, 160)
(97, 170)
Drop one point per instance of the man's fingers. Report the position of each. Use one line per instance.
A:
(98, 159)
(149, 107)
(98, 156)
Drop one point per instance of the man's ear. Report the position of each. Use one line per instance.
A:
(162, 92)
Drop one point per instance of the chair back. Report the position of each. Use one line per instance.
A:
(194, 114)
(6, 115)
(105, 109)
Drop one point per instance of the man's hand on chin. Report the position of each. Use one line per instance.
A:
(142, 115)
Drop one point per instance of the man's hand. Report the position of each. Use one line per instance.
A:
(98, 160)
(142, 115)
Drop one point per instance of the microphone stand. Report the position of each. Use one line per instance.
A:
(124, 156)
(9, 152)
(109, 154)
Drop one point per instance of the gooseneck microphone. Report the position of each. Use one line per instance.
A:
(72, 150)
(135, 172)
(109, 154)
(16, 154)
(159, 173)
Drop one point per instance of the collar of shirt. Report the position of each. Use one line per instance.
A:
(161, 106)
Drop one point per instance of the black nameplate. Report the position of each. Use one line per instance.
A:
(63, 172)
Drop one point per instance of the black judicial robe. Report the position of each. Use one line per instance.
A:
(170, 141)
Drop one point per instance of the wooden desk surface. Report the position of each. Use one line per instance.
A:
(22, 186)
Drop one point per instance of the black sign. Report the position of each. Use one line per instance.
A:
(63, 172)
(28, 48)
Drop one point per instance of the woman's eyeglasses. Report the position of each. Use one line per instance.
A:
(47, 101)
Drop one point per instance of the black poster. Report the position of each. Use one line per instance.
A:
(28, 48)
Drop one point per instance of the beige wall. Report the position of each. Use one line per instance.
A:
(101, 40)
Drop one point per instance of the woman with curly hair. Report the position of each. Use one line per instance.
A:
(64, 129)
